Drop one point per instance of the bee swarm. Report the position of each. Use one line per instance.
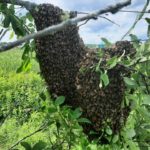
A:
(58, 54)
(103, 105)
(61, 56)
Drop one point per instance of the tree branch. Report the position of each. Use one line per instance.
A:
(28, 5)
(55, 28)
(135, 11)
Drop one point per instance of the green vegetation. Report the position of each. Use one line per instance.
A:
(11, 61)
(26, 107)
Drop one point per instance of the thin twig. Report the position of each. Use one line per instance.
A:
(128, 11)
(83, 23)
(55, 28)
(3, 34)
(109, 20)
(135, 11)
(101, 17)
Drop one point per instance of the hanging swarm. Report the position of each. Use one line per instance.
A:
(103, 105)
(61, 56)
(58, 54)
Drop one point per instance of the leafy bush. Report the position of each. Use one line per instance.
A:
(20, 95)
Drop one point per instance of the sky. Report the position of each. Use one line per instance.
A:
(93, 31)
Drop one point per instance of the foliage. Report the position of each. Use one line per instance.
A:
(62, 123)
(20, 95)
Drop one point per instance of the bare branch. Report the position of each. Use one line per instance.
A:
(135, 11)
(28, 5)
(96, 19)
(128, 11)
(55, 28)
(110, 20)
(83, 23)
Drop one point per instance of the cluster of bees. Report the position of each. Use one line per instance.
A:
(121, 47)
(61, 56)
(103, 105)
(58, 54)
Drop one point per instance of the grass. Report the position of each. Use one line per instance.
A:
(11, 60)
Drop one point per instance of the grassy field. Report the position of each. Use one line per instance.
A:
(11, 60)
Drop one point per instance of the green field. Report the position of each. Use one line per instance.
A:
(11, 61)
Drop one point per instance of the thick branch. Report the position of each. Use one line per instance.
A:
(28, 5)
(55, 28)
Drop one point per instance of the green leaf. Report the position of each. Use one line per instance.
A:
(76, 113)
(12, 9)
(84, 120)
(29, 16)
(133, 145)
(107, 43)
(115, 138)
(108, 131)
(26, 145)
(11, 35)
(25, 66)
(148, 20)
(130, 82)
(3, 7)
(146, 99)
(104, 77)
(60, 100)
(52, 110)
(112, 62)
(39, 146)
(26, 52)
(6, 21)
(17, 26)
(135, 40)
(144, 113)
(130, 133)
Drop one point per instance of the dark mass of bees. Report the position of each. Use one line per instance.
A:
(58, 54)
(63, 54)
